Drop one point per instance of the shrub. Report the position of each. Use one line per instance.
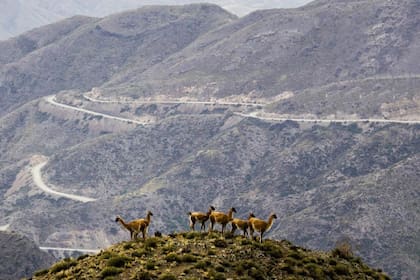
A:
(341, 269)
(216, 275)
(296, 256)
(167, 277)
(211, 252)
(143, 275)
(150, 265)
(172, 257)
(82, 257)
(201, 265)
(315, 271)
(220, 268)
(168, 248)
(151, 242)
(63, 265)
(188, 258)
(111, 271)
(245, 242)
(128, 246)
(139, 253)
(118, 261)
(343, 249)
(220, 243)
(106, 255)
(192, 235)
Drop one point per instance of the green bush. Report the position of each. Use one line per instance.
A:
(143, 275)
(216, 275)
(167, 277)
(188, 258)
(111, 271)
(211, 252)
(220, 243)
(315, 271)
(118, 261)
(343, 249)
(173, 257)
(63, 265)
(139, 253)
(341, 269)
(192, 235)
(128, 246)
(220, 268)
(150, 265)
(151, 242)
(82, 257)
(106, 255)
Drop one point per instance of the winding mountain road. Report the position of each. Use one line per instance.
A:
(37, 178)
(246, 104)
(94, 251)
(326, 120)
(52, 100)
(4, 228)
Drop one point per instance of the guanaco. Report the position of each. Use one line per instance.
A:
(136, 226)
(200, 217)
(261, 226)
(221, 218)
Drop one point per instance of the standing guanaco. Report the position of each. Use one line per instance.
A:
(136, 226)
(261, 226)
(241, 224)
(221, 218)
(200, 217)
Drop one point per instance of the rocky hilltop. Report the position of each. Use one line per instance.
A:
(208, 256)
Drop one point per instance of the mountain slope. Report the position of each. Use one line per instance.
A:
(88, 55)
(20, 257)
(272, 51)
(18, 16)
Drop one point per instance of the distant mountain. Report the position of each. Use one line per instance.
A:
(272, 51)
(304, 112)
(20, 257)
(18, 16)
(90, 51)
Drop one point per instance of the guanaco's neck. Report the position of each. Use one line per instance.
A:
(230, 214)
(121, 221)
(270, 222)
(148, 218)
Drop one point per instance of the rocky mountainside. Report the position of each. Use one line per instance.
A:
(268, 52)
(20, 257)
(311, 113)
(87, 55)
(207, 256)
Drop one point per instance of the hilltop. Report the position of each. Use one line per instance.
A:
(208, 256)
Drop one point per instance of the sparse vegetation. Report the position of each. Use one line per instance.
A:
(189, 258)
(63, 265)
